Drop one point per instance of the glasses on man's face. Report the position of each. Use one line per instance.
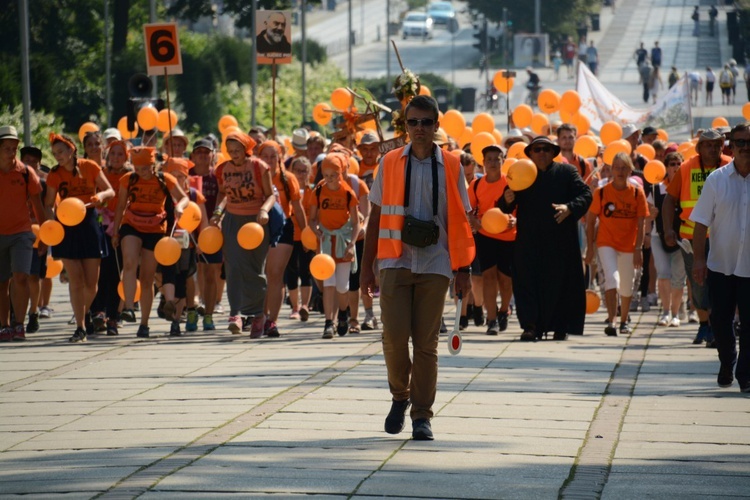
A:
(542, 149)
(420, 122)
(741, 143)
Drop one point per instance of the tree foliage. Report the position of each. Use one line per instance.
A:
(241, 10)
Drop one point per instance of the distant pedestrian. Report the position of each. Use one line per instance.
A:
(569, 55)
(582, 48)
(641, 56)
(710, 80)
(645, 71)
(735, 77)
(712, 14)
(556, 63)
(726, 82)
(673, 77)
(695, 80)
(655, 83)
(656, 55)
(696, 17)
(592, 57)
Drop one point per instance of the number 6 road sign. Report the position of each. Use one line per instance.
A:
(162, 45)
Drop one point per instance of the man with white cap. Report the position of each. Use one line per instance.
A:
(174, 143)
(299, 141)
(111, 135)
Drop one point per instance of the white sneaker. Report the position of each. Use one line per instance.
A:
(664, 320)
(675, 322)
(693, 317)
(45, 312)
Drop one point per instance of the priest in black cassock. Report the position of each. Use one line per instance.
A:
(548, 280)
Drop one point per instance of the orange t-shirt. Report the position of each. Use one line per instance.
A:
(334, 208)
(243, 185)
(146, 198)
(81, 186)
(293, 186)
(13, 194)
(114, 181)
(487, 194)
(618, 212)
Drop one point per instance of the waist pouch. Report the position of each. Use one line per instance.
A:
(143, 219)
(419, 233)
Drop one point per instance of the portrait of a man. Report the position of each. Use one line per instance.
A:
(272, 41)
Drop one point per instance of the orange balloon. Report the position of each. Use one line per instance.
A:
(424, 90)
(662, 134)
(746, 110)
(613, 148)
(86, 128)
(522, 115)
(592, 302)
(570, 101)
(495, 221)
(191, 217)
(54, 267)
(586, 146)
(581, 122)
(501, 83)
(719, 121)
(516, 151)
(342, 98)
(322, 114)
(646, 150)
(566, 116)
(210, 240)
(122, 126)
(521, 175)
(121, 291)
(147, 117)
(250, 236)
(71, 211)
(540, 123)
(166, 120)
(611, 131)
(466, 137)
(654, 171)
(230, 130)
(309, 240)
(498, 136)
(51, 233)
(506, 165)
(483, 122)
(322, 266)
(227, 121)
(167, 251)
(453, 123)
(548, 101)
(478, 143)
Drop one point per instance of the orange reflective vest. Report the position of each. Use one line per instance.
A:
(690, 190)
(460, 238)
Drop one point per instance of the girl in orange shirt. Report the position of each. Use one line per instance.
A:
(83, 246)
(280, 252)
(92, 148)
(140, 222)
(335, 220)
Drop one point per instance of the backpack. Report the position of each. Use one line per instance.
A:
(725, 79)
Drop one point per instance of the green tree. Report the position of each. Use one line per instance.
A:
(240, 9)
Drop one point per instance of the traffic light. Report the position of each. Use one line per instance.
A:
(481, 37)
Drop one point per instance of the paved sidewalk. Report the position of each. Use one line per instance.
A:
(214, 414)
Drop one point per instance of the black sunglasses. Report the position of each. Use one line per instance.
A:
(542, 149)
(741, 143)
(424, 122)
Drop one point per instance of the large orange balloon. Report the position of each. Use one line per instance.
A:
(501, 83)
(647, 151)
(522, 115)
(521, 175)
(453, 123)
(227, 121)
(210, 240)
(494, 221)
(592, 302)
(250, 236)
(147, 117)
(586, 146)
(719, 121)
(121, 291)
(122, 126)
(516, 151)
(611, 131)
(654, 171)
(662, 134)
(424, 90)
(86, 128)
(570, 101)
(548, 101)
(322, 266)
(309, 240)
(51, 233)
(342, 99)
(581, 122)
(478, 143)
(71, 211)
(613, 148)
(167, 251)
(54, 267)
(191, 217)
(746, 110)
(466, 137)
(506, 165)
(540, 124)
(166, 120)
(322, 114)
(483, 122)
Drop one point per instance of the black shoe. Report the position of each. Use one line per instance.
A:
(610, 330)
(725, 377)
(625, 329)
(560, 336)
(328, 330)
(128, 315)
(78, 336)
(174, 330)
(528, 336)
(160, 307)
(492, 327)
(33, 325)
(100, 322)
(478, 315)
(443, 328)
(502, 321)
(342, 328)
(88, 324)
(112, 327)
(421, 430)
(143, 332)
(394, 422)
(463, 322)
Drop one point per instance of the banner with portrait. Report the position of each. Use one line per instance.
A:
(273, 35)
(530, 50)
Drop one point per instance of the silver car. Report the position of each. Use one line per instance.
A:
(416, 24)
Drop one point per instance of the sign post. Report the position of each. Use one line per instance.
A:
(272, 45)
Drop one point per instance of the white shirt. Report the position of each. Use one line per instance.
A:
(724, 207)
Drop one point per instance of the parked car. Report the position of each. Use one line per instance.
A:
(441, 12)
(416, 24)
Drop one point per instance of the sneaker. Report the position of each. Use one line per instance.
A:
(169, 309)
(369, 322)
(208, 323)
(143, 332)
(645, 305)
(693, 317)
(112, 327)
(674, 322)
(201, 309)
(610, 330)
(725, 377)
(45, 312)
(191, 322)
(493, 328)
(304, 314)
(235, 325)
(6, 334)
(463, 323)
(100, 322)
(272, 331)
(633, 305)
(443, 327)
(702, 335)
(257, 326)
(664, 320)
(478, 315)
(78, 336)
(72, 320)
(294, 315)
(33, 325)
(625, 329)
(128, 315)
(394, 422)
(328, 330)
(174, 330)
(502, 320)
(219, 309)
(19, 333)
(421, 430)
